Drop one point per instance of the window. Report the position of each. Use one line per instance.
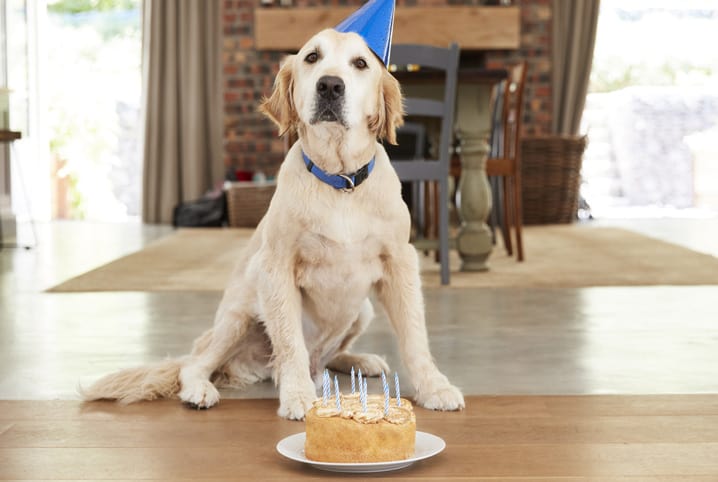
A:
(93, 87)
(651, 108)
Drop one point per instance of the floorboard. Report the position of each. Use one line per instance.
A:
(639, 438)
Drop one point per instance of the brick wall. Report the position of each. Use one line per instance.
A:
(251, 142)
(536, 49)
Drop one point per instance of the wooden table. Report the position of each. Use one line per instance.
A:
(472, 126)
(517, 438)
(9, 136)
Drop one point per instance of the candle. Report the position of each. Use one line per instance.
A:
(363, 398)
(325, 388)
(336, 393)
(359, 379)
(361, 392)
(396, 389)
(352, 380)
(385, 385)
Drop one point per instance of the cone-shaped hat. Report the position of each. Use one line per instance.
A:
(374, 21)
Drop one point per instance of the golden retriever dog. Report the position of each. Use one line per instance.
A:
(299, 296)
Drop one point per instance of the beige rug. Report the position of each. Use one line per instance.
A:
(556, 256)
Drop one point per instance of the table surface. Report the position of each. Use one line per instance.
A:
(466, 75)
(509, 438)
(8, 136)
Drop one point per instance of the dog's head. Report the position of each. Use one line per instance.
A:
(335, 78)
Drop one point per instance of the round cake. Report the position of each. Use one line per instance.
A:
(354, 435)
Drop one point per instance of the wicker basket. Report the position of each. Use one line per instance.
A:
(247, 202)
(551, 175)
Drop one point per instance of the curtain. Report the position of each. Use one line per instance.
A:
(182, 86)
(574, 35)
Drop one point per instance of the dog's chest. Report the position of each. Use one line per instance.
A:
(339, 260)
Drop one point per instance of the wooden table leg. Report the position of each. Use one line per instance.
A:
(474, 191)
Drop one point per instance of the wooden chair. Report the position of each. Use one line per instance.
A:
(507, 165)
(432, 170)
(411, 143)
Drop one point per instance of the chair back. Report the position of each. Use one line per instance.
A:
(512, 108)
(425, 60)
(505, 159)
(446, 61)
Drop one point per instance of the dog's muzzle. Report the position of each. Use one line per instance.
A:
(330, 100)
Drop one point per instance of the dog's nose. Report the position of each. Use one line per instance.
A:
(330, 87)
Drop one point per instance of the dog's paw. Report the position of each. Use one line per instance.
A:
(294, 405)
(199, 394)
(443, 396)
(370, 364)
(295, 397)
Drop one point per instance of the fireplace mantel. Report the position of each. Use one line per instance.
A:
(473, 28)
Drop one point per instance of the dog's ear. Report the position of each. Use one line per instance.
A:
(390, 112)
(279, 107)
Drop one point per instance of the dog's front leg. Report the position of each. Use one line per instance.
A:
(211, 350)
(281, 308)
(400, 293)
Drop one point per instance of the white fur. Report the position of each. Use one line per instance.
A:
(299, 296)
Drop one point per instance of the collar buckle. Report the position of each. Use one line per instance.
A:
(350, 184)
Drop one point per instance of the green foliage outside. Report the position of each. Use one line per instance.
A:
(82, 6)
(647, 43)
(611, 74)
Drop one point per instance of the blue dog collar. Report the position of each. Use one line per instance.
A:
(345, 182)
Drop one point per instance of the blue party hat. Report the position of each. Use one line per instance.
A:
(374, 21)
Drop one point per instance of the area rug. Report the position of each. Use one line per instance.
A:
(565, 256)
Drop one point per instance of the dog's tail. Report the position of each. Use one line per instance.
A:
(160, 380)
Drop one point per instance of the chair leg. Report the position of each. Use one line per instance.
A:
(415, 210)
(432, 231)
(496, 207)
(429, 214)
(430, 210)
(518, 215)
(440, 196)
(443, 208)
(507, 211)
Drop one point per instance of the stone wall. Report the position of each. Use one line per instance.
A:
(251, 142)
(648, 127)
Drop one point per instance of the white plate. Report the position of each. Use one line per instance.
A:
(427, 445)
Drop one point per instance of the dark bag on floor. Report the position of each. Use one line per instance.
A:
(210, 211)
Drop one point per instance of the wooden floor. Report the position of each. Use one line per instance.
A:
(521, 438)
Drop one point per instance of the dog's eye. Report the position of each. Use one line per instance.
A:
(311, 58)
(360, 63)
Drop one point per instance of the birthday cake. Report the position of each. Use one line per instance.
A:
(360, 428)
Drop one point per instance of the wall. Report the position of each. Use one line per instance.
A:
(251, 142)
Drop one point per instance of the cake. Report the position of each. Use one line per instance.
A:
(353, 435)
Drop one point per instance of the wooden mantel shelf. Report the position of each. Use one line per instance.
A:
(473, 28)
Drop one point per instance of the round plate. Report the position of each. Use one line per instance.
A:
(427, 445)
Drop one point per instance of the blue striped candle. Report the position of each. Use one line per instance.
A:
(359, 379)
(325, 388)
(336, 393)
(363, 401)
(361, 392)
(396, 389)
(385, 385)
(352, 380)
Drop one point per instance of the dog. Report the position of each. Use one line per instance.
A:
(299, 296)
